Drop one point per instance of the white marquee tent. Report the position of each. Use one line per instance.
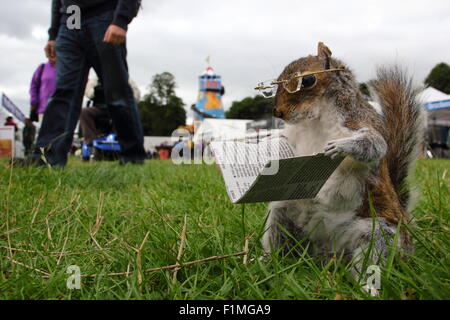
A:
(221, 129)
(437, 105)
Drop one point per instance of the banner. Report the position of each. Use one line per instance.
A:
(6, 142)
(437, 105)
(12, 108)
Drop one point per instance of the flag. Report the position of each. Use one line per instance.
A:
(12, 108)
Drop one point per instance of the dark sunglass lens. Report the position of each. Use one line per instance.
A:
(308, 81)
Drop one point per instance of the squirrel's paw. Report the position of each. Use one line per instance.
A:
(341, 147)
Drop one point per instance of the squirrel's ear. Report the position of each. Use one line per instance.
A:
(324, 53)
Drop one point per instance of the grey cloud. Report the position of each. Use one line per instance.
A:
(248, 41)
(19, 17)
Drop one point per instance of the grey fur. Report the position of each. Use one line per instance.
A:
(331, 225)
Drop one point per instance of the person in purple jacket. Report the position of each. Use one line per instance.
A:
(42, 87)
(98, 42)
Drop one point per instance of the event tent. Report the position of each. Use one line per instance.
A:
(437, 105)
(223, 129)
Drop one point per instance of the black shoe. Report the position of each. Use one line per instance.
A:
(124, 161)
(29, 161)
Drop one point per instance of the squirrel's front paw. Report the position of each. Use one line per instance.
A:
(365, 146)
(341, 147)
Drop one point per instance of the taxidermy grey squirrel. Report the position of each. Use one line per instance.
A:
(367, 198)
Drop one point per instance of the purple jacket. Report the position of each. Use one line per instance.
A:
(42, 86)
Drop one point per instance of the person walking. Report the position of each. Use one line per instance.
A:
(43, 85)
(98, 42)
(98, 110)
(28, 136)
(90, 115)
(10, 122)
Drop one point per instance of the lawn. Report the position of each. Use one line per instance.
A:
(116, 222)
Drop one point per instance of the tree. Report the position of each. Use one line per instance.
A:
(162, 87)
(161, 110)
(439, 78)
(250, 108)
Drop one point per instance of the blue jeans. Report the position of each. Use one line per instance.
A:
(78, 51)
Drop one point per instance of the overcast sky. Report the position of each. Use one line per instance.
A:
(247, 40)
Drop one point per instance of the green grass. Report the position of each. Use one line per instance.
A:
(45, 211)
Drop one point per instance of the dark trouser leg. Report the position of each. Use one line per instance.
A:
(111, 67)
(63, 108)
(28, 145)
(88, 125)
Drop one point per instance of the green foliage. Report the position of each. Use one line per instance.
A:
(250, 108)
(439, 78)
(89, 206)
(161, 111)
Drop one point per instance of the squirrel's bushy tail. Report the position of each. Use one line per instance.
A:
(404, 125)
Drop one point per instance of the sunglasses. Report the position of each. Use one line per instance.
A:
(297, 82)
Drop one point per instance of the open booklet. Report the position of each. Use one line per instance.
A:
(268, 170)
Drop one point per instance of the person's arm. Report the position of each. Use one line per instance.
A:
(35, 86)
(125, 12)
(49, 49)
(56, 20)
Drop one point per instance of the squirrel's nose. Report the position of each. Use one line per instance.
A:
(277, 114)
